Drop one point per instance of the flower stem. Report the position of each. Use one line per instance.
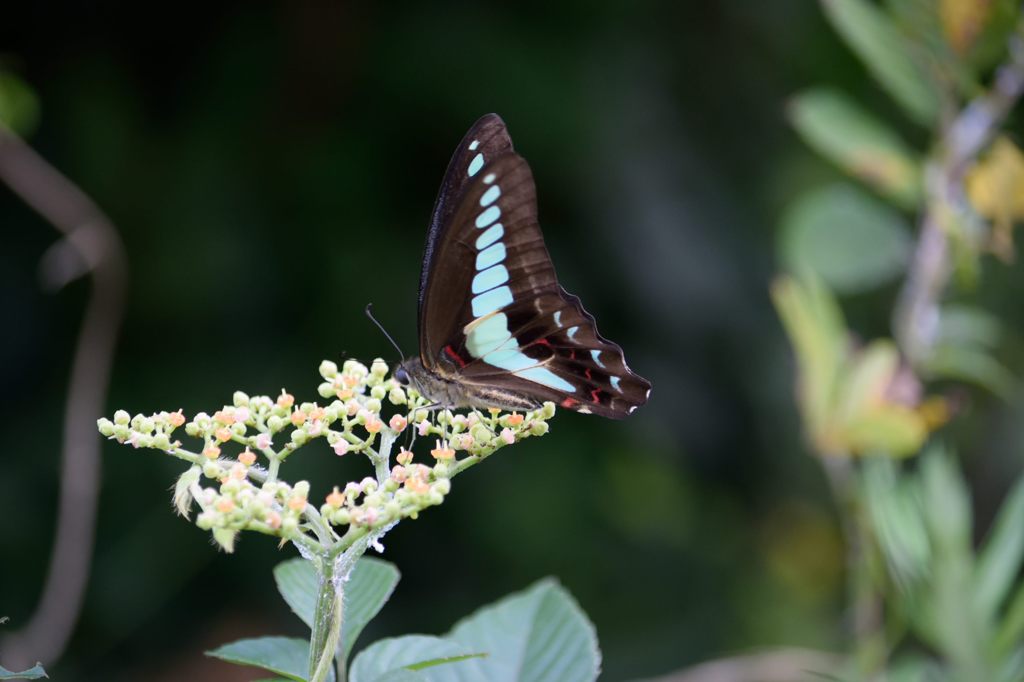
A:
(327, 621)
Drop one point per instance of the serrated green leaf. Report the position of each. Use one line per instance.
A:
(841, 131)
(367, 590)
(843, 235)
(286, 656)
(871, 34)
(538, 635)
(297, 582)
(34, 673)
(398, 658)
(999, 560)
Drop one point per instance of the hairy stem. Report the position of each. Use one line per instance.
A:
(327, 620)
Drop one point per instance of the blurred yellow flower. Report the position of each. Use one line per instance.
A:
(995, 187)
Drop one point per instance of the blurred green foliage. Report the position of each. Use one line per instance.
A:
(259, 160)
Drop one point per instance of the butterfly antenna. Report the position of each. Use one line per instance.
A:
(369, 314)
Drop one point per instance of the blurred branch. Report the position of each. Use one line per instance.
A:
(782, 665)
(917, 311)
(90, 246)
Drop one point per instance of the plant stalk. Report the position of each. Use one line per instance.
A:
(327, 621)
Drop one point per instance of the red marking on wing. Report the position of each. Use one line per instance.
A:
(543, 342)
(454, 356)
(570, 403)
(572, 354)
(586, 372)
(596, 395)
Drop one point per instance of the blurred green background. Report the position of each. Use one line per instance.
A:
(271, 169)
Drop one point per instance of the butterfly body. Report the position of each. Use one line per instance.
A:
(495, 327)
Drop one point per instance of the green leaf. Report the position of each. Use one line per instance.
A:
(971, 364)
(401, 658)
(851, 240)
(838, 129)
(297, 582)
(19, 107)
(894, 430)
(875, 39)
(963, 325)
(367, 590)
(1011, 630)
(894, 505)
(33, 673)
(816, 329)
(285, 656)
(540, 634)
(999, 560)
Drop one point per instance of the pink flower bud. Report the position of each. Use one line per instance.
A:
(263, 441)
(423, 427)
(341, 447)
(398, 423)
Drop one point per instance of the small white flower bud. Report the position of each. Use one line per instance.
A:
(239, 399)
(122, 418)
(105, 426)
(328, 369)
(326, 390)
(378, 392)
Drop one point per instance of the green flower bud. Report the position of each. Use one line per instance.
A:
(105, 426)
(326, 390)
(354, 367)
(301, 489)
(307, 407)
(122, 418)
(442, 486)
(239, 399)
(161, 441)
(211, 469)
(393, 510)
(481, 434)
(373, 405)
(391, 485)
(340, 517)
(539, 428)
(328, 369)
(433, 498)
(145, 441)
(379, 368)
(378, 392)
(548, 410)
(289, 524)
(275, 423)
(397, 396)
(205, 520)
(442, 469)
(421, 415)
(299, 437)
(192, 429)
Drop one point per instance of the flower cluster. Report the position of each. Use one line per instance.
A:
(249, 496)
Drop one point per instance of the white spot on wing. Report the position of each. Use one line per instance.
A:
(489, 178)
(473, 145)
(490, 196)
(476, 164)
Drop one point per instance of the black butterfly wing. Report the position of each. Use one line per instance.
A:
(486, 140)
(494, 314)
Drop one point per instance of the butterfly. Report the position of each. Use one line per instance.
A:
(496, 329)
